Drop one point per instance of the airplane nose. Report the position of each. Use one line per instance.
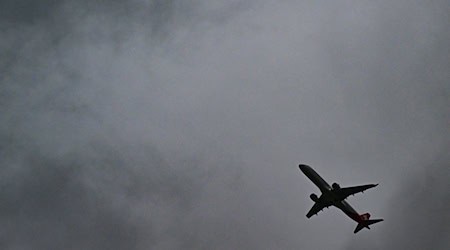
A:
(303, 167)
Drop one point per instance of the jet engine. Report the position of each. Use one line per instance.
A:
(336, 186)
(314, 197)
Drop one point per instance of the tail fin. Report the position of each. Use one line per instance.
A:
(366, 223)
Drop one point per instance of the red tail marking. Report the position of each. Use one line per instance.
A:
(365, 216)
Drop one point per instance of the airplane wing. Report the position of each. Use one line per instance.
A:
(317, 207)
(343, 193)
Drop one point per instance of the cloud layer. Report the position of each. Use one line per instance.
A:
(180, 124)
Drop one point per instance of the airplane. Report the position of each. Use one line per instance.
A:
(334, 195)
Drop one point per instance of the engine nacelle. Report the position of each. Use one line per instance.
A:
(335, 186)
(314, 197)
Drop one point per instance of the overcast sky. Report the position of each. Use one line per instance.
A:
(180, 124)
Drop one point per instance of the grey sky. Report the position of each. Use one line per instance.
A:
(181, 124)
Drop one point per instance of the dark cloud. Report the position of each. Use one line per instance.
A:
(180, 124)
(26, 12)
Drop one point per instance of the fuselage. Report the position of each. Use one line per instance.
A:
(327, 193)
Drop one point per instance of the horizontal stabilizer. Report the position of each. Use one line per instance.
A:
(365, 224)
